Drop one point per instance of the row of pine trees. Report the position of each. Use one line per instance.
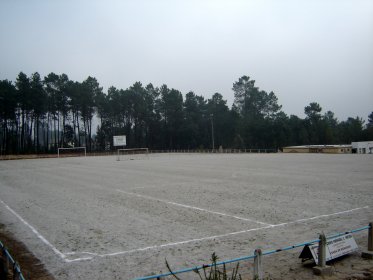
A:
(38, 115)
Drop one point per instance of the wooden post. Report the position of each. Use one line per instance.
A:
(258, 273)
(369, 253)
(370, 237)
(321, 268)
(322, 251)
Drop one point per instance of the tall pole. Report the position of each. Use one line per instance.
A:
(212, 131)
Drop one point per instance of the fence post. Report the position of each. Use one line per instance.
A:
(16, 271)
(6, 261)
(3, 265)
(369, 253)
(321, 268)
(258, 273)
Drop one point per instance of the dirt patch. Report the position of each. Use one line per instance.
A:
(102, 206)
(351, 267)
(31, 266)
(31, 156)
(40, 156)
(277, 267)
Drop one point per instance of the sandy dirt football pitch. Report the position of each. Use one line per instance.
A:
(99, 218)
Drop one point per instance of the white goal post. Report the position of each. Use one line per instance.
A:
(132, 153)
(75, 148)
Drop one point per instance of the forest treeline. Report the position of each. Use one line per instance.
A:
(38, 115)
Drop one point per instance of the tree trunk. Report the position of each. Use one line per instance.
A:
(74, 128)
(23, 131)
(37, 134)
(85, 132)
(3, 146)
(55, 132)
(78, 124)
(29, 138)
(58, 131)
(47, 138)
(89, 134)
(63, 129)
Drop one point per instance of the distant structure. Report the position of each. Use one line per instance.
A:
(363, 147)
(326, 149)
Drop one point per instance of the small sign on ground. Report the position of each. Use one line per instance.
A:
(336, 247)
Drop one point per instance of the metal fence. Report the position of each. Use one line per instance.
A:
(193, 151)
(8, 266)
(258, 254)
(153, 151)
(217, 151)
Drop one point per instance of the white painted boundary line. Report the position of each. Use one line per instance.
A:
(166, 244)
(193, 207)
(322, 216)
(42, 238)
(209, 237)
(63, 256)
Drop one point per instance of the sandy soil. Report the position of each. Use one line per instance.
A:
(104, 219)
(31, 266)
(351, 267)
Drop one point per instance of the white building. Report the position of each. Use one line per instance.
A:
(364, 147)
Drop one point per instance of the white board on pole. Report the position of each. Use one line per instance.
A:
(119, 140)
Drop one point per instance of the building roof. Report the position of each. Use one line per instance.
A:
(319, 146)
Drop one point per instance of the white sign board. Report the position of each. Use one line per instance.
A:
(335, 248)
(119, 140)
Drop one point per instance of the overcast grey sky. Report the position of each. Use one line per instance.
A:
(304, 51)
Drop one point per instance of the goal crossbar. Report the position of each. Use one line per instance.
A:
(75, 148)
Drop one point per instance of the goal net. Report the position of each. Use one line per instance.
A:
(132, 154)
(72, 152)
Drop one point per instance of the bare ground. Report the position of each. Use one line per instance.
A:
(41, 192)
(31, 266)
(351, 267)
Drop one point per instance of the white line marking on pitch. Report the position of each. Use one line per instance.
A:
(321, 216)
(92, 255)
(195, 208)
(165, 245)
(42, 238)
(206, 238)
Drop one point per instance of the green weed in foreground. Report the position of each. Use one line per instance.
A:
(213, 272)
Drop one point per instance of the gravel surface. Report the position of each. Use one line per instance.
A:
(98, 218)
